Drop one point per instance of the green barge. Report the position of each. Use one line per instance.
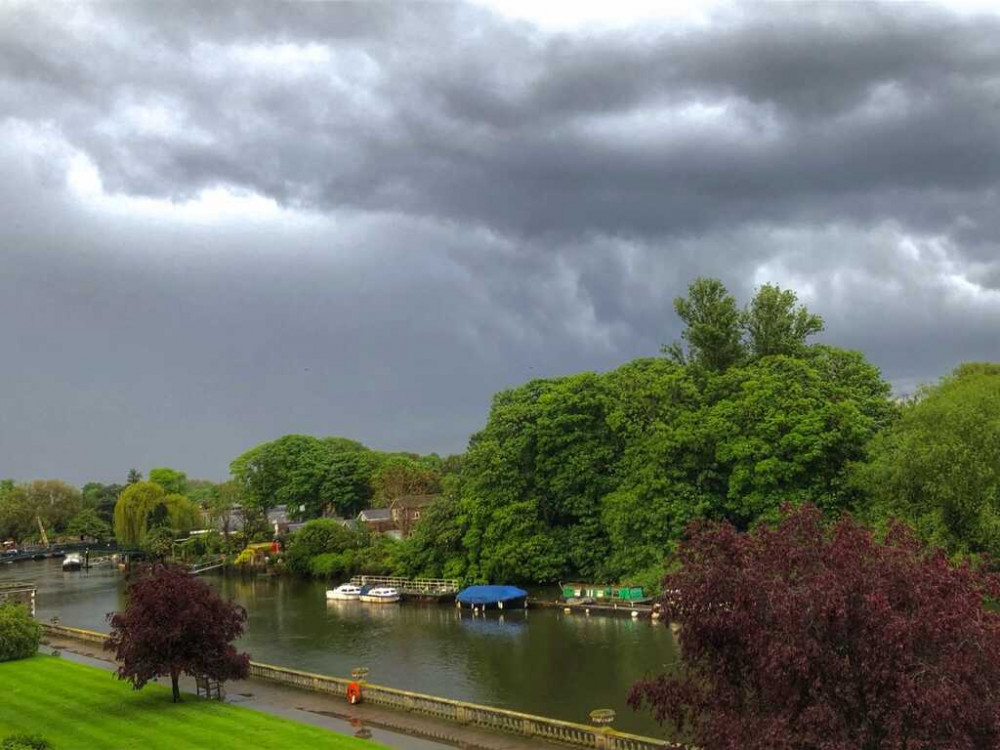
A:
(601, 593)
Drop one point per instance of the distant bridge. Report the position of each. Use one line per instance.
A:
(61, 550)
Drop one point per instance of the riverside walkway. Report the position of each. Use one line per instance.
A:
(315, 699)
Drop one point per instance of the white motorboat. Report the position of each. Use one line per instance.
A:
(72, 561)
(380, 595)
(346, 592)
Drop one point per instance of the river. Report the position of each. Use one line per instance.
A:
(541, 661)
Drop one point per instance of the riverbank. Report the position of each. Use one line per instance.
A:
(453, 722)
(76, 706)
(539, 661)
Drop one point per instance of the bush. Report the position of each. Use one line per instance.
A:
(811, 635)
(319, 537)
(25, 742)
(19, 633)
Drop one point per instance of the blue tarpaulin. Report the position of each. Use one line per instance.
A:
(490, 594)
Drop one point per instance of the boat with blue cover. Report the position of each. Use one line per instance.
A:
(491, 597)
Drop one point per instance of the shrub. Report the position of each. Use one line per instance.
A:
(19, 633)
(332, 564)
(25, 742)
(810, 635)
(319, 537)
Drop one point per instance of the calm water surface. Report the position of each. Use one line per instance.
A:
(540, 661)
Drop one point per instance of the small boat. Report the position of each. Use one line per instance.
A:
(379, 595)
(492, 597)
(72, 561)
(346, 592)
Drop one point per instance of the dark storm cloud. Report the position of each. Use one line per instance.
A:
(467, 201)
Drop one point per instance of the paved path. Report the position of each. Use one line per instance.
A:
(397, 729)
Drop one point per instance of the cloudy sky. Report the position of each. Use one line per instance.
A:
(220, 224)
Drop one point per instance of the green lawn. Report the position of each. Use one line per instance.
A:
(79, 707)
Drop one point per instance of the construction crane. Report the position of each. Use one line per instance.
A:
(45, 537)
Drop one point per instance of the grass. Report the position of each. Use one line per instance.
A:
(77, 707)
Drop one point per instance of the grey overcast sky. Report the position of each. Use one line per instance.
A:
(224, 223)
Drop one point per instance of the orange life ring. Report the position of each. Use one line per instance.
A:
(353, 693)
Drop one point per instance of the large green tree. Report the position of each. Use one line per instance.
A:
(87, 523)
(293, 470)
(712, 326)
(938, 466)
(775, 324)
(144, 506)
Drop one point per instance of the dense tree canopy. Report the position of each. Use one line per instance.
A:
(330, 476)
(813, 636)
(88, 524)
(327, 549)
(172, 481)
(938, 466)
(598, 475)
(102, 498)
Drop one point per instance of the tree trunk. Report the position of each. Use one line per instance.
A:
(174, 680)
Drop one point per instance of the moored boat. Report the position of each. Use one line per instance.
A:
(346, 592)
(492, 597)
(72, 561)
(379, 595)
(594, 593)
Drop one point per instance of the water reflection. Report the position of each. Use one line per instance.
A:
(539, 661)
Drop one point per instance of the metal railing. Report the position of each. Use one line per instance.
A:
(460, 712)
(410, 585)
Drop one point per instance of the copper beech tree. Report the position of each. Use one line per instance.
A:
(809, 636)
(174, 623)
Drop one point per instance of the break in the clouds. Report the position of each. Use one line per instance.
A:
(221, 222)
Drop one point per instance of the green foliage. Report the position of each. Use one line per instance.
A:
(158, 542)
(172, 481)
(102, 498)
(144, 506)
(401, 474)
(435, 548)
(327, 549)
(713, 326)
(133, 509)
(19, 633)
(295, 470)
(51, 501)
(320, 537)
(25, 742)
(597, 476)
(87, 523)
(774, 325)
(938, 466)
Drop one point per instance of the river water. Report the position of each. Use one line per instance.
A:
(541, 661)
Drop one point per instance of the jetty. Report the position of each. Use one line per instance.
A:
(419, 589)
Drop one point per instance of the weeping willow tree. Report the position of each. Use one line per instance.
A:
(143, 506)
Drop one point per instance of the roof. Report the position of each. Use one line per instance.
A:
(490, 594)
(414, 501)
(375, 514)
